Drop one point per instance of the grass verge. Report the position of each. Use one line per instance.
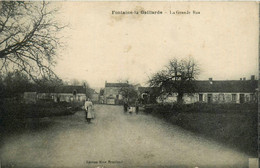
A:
(234, 125)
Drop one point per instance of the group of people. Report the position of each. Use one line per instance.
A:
(131, 107)
(128, 107)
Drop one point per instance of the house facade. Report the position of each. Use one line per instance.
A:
(219, 91)
(113, 93)
(229, 91)
(59, 94)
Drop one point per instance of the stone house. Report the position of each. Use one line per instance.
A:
(59, 94)
(217, 91)
(113, 94)
(225, 91)
(69, 94)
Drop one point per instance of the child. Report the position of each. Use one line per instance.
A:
(130, 110)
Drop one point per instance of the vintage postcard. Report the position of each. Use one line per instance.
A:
(129, 84)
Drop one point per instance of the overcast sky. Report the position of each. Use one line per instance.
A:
(101, 47)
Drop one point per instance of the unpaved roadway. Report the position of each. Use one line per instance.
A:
(123, 139)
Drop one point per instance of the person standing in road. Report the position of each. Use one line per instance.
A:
(137, 106)
(125, 105)
(89, 110)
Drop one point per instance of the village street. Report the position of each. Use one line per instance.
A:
(126, 140)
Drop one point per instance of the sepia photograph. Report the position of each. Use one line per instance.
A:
(129, 84)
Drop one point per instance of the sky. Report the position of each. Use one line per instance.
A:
(101, 47)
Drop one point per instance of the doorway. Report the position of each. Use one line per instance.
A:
(242, 98)
(210, 98)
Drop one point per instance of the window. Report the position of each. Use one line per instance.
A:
(234, 97)
(252, 97)
(221, 97)
(242, 98)
(74, 92)
(200, 97)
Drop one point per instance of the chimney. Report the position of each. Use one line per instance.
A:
(244, 78)
(252, 77)
(210, 80)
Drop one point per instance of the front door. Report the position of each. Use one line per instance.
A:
(209, 98)
(242, 98)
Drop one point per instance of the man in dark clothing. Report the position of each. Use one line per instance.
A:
(125, 106)
(136, 106)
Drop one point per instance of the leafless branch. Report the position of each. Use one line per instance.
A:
(29, 37)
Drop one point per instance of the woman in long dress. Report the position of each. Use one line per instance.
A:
(89, 110)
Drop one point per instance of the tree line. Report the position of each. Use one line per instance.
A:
(14, 84)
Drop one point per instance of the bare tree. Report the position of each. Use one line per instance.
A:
(177, 77)
(129, 92)
(29, 37)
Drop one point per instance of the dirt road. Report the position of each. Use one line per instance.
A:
(114, 139)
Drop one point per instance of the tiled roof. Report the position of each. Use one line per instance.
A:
(117, 85)
(227, 86)
(70, 89)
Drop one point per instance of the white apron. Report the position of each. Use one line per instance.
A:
(89, 108)
(90, 113)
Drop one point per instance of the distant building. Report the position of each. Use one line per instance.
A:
(147, 94)
(112, 93)
(59, 94)
(30, 97)
(225, 91)
(219, 91)
(95, 97)
(69, 94)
